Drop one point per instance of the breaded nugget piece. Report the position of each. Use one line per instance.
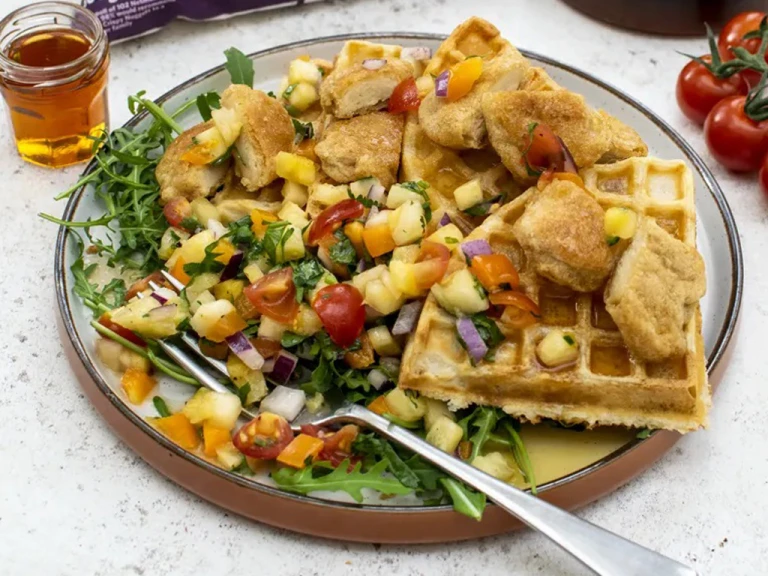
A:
(460, 124)
(362, 146)
(651, 296)
(267, 130)
(625, 142)
(179, 178)
(355, 90)
(537, 79)
(563, 237)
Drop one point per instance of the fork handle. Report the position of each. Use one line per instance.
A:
(605, 553)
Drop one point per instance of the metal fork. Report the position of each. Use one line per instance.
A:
(604, 552)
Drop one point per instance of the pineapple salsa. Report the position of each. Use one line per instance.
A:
(308, 295)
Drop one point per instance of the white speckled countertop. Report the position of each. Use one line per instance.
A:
(75, 501)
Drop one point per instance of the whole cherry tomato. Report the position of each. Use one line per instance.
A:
(264, 437)
(732, 35)
(546, 151)
(734, 139)
(274, 295)
(340, 308)
(763, 176)
(405, 97)
(698, 90)
(330, 219)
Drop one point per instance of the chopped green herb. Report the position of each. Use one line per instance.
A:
(242, 393)
(306, 274)
(209, 263)
(612, 240)
(489, 332)
(303, 130)
(275, 237)
(190, 223)
(289, 90)
(569, 340)
(343, 252)
(450, 240)
(291, 339)
(643, 434)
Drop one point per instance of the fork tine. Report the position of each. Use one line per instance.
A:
(172, 280)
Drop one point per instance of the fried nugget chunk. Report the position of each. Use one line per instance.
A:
(654, 291)
(562, 234)
(354, 90)
(267, 130)
(460, 124)
(362, 146)
(625, 142)
(179, 178)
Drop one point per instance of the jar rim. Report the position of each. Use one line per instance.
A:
(53, 7)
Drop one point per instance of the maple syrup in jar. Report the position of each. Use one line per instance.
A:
(53, 75)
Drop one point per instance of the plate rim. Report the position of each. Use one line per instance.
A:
(722, 342)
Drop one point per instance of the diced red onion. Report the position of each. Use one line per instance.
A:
(376, 193)
(471, 338)
(444, 221)
(159, 298)
(232, 267)
(362, 265)
(417, 53)
(284, 401)
(377, 378)
(285, 364)
(373, 63)
(268, 366)
(474, 248)
(441, 84)
(391, 366)
(162, 313)
(407, 318)
(217, 228)
(244, 350)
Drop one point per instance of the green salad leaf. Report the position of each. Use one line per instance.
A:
(239, 66)
(376, 446)
(465, 500)
(207, 102)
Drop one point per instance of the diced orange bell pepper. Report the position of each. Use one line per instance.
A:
(137, 385)
(178, 271)
(379, 406)
(179, 429)
(463, 78)
(213, 437)
(199, 154)
(224, 251)
(260, 220)
(378, 240)
(299, 450)
(494, 270)
(354, 231)
(229, 324)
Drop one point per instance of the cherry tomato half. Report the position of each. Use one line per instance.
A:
(176, 210)
(763, 176)
(340, 308)
(545, 151)
(337, 446)
(493, 270)
(431, 264)
(330, 219)
(120, 331)
(734, 139)
(143, 284)
(405, 97)
(274, 295)
(698, 90)
(520, 310)
(732, 35)
(264, 437)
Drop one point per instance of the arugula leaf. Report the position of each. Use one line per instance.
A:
(275, 237)
(305, 481)
(520, 453)
(205, 102)
(209, 263)
(161, 407)
(291, 339)
(306, 274)
(239, 66)
(303, 130)
(427, 474)
(322, 378)
(343, 252)
(242, 393)
(484, 419)
(465, 501)
(190, 223)
(111, 296)
(373, 445)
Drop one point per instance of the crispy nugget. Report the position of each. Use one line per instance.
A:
(179, 178)
(651, 296)
(267, 130)
(562, 234)
(362, 146)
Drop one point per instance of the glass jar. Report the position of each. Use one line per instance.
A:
(54, 58)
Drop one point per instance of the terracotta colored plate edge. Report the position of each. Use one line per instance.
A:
(434, 523)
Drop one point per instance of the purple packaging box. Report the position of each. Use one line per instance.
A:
(125, 19)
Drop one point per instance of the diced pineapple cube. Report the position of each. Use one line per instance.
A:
(403, 276)
(425, 85)
(460, 293)
(328, 194)
(291, 212)
(271, 329)
(407, 254)
(200, 284)
(203, 210)
(445, 434)
(295, 193)
(327, 279)
(295, 168)
(307, 322)
(558, 347)
(229, 126)
(303, 71)
(383, 342)
(193, 250)
(436, 409)
(241, 375)
(360, 281)
(219, 408)
(383, 296)
(407, 223)
(620, 223)
(468, 195)
(205, 297)
(399, 195)
(253, 272)
(229, 456)
(448, 235)
(303, 96)
(217, 320)
(495, 464)
(138, 315)
(407, 406)
(172, 238)
(229, 289)
(363, 186)
(293, 249)
(283, 86)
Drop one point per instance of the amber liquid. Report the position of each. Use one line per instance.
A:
(55, 125)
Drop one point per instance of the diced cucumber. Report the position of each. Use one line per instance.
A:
(205, 297)
(241, 375)
(170, 241)
(200, 284)
(293, 249)
(221, 409)
(407, 406)
(327, 279)
(445, 434)
(460, 294)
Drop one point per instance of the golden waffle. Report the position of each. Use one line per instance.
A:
(445, 170)
(606, 385)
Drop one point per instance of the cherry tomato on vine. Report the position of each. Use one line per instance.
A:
(732, 35)
(735, 140)
(698, 90)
